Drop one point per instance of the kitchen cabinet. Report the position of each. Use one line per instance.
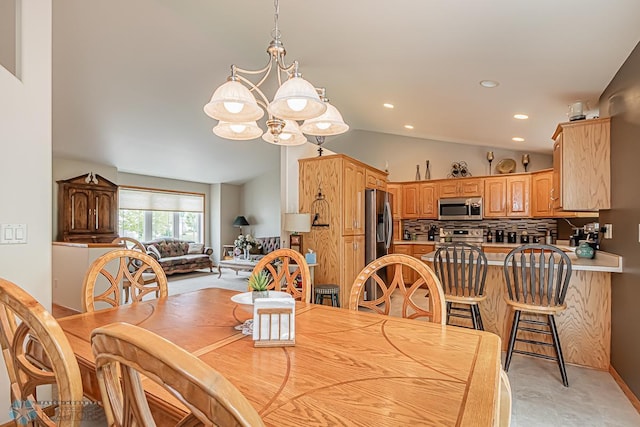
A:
(339, 241)
(419, 200)
(461, 187)
(396, 202)
(375, 180)
(507, 196)
(353, 197)
(87, 211)
(541, 194)
(353, 256)
(582, 165)
(542, 200)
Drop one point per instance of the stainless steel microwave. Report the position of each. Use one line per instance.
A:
(469, 208)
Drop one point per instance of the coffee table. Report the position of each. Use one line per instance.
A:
(236, 265)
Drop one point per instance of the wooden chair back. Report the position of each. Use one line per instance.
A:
(462, 269)
(537, 275)
(116, 272)
(393, 265)
(279, 264)
(23, 321)
(130, 243)
(123, 352)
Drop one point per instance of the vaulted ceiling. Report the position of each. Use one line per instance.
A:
(130, 78)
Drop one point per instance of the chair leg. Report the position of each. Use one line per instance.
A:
(448, 311)
(337, 300)
(556, 344)
(475, 312)
(474, 319)
(512, 339)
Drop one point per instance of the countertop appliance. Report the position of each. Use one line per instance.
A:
(378, 233)
(469, 208)
(473, 236)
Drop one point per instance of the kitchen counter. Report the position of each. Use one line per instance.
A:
(584, 326)
(414, 242)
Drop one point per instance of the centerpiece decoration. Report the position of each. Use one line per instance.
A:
(243, 245)
(259, 284)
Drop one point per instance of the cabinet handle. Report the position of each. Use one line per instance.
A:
(95, 213)
(73, 213)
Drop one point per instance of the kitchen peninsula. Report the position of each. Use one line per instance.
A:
(584, 327)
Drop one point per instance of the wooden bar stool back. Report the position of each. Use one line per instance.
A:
(537, 278)
(392, 266)
(289, 271)
(123, 352)
(462, 270)
(23, 323)
(112, 269)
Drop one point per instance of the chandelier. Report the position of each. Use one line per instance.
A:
(239, 103)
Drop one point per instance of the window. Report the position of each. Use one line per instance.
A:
(151, 214)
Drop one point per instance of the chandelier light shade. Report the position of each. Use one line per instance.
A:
(240, 131)
(233, 102)
(329, 123)
(290, 135)
(239, 102)
(297, 99)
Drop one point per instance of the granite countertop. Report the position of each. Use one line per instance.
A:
(603, 261)
(414, 242)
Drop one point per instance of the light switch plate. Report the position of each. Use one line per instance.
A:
(608, 233)
(11, 234)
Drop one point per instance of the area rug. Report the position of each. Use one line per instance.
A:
(188, 282)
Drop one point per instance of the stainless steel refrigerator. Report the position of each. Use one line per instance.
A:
(378, 229)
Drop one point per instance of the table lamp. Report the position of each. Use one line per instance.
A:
(240, 221)
(296, 223)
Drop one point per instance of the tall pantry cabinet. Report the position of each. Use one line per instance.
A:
(334, 187)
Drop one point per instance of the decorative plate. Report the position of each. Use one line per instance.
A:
(506, 166)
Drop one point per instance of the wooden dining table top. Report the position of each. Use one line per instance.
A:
(346, 368)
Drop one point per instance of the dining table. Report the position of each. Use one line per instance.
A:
(349, 368)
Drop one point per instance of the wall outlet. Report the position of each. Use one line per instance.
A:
(608, 232)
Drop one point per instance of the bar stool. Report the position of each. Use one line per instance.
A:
(327, 291)
(537, 278)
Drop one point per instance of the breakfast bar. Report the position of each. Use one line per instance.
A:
(584, 327)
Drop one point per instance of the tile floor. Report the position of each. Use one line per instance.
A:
(593, 398)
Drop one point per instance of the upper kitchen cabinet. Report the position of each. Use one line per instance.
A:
(353, 198)
(375, 180)
(541, 197)
(87, 210)
(582, 165)
(462, 187)
(419, 200)
(507, 196)
(395, 190)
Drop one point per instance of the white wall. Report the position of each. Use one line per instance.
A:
(261, 201)
(25, 175)
(403, 154)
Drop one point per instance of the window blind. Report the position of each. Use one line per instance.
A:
(151, 200)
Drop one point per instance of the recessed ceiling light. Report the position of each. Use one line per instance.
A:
(517, 139)
(520, 116)
(408, 126)
(489, 83)
(387, 105)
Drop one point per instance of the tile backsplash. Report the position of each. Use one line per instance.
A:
(533, 227)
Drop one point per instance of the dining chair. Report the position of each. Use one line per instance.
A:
(462, 270)
(392, 265)
(537, 278)
(146, 278)
(24, 321)
(123, 352)
(116, 272)
(289, 271)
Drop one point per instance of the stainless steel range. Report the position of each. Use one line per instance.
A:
(474, 236)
